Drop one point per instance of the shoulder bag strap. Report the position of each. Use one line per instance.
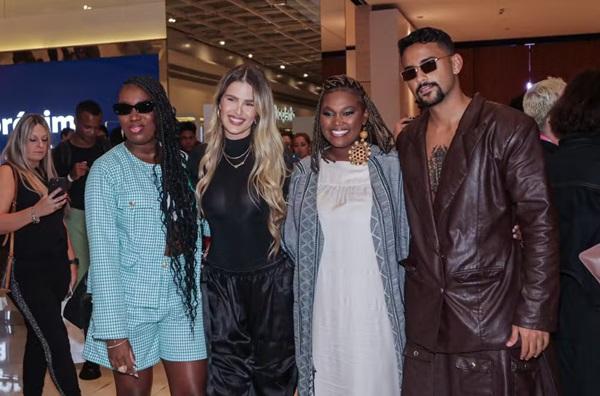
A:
(11, 238)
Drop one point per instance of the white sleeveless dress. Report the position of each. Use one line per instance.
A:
(353, 346)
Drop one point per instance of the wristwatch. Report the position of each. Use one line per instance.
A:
(74, 261)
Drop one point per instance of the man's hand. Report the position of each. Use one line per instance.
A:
(80, 169)
(533, 342)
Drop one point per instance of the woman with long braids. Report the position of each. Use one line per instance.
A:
(248, 278)
(145, 252)
(346, 231)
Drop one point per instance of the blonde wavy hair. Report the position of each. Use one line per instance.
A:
(268, 172)
(14, 154)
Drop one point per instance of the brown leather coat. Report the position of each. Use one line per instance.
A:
(467, 279)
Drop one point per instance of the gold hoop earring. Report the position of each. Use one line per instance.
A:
(360, 152)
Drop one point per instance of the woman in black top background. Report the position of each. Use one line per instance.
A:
(44, 269)
(248, 279)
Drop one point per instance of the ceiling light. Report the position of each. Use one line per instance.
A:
(87, 7)
(187, 45)
(282, 67)
(250, 56)
(222, 42)
(279, 76)
(305, 75)
(172, 20)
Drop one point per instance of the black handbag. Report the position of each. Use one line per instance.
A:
(78, 309)
(7, 249)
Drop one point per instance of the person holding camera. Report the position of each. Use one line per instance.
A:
(31, 205)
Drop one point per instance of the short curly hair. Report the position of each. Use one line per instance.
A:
(578, 109)
(539, 99)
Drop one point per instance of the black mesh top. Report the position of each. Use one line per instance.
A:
(240, 238)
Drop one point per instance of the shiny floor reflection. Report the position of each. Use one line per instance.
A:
(12, 343)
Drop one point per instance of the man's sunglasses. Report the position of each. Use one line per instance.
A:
(125, 108)
(426, 67)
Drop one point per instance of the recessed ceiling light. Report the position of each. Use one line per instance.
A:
(300, 82)
(250, 56)
(279, 76)
(305, 75)
(187, 45)
(87, 7)
(282, 67)
(172, 20)
(222, 42)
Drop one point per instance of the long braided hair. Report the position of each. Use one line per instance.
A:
(177, 199)
(379, 134)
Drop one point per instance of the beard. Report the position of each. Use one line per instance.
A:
(434, 97)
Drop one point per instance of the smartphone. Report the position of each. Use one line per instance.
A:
(58, 182)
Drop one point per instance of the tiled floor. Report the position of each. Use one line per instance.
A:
(12, 342)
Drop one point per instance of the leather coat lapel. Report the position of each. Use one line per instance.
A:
(416, 173)
(457, 159)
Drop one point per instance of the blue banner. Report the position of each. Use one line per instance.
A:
(53, 89)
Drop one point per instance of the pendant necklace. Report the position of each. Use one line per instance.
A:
(244, 156)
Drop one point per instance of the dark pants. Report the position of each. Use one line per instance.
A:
(489, 373)
(578, 341)
(38, 289)
(250, 331)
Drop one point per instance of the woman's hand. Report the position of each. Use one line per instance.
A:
(50, 203)
(121, 356)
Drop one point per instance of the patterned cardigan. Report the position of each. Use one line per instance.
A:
(303, 241)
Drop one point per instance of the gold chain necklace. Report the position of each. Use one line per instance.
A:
(229, 158)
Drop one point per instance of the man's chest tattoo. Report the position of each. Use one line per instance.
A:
(435, 164)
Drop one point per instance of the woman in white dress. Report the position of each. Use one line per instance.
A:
(346, 232)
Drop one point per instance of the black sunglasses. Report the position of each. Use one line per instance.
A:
(426, 67)
(125, 108)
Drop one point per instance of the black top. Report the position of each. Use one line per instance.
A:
(64, 164)
(240, 237)
(575, 178)
(46, 240)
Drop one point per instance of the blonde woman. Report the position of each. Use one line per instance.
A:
(248, 278)
(45, 268)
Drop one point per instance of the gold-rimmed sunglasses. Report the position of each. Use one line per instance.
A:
(426, 67)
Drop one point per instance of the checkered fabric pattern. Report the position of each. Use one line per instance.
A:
(130, 279)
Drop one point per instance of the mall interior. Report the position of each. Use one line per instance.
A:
(56, 53)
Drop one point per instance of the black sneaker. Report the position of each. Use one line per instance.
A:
(90, 371)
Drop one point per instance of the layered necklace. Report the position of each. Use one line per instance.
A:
(231, 160)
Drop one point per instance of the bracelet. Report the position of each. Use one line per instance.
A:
(74, 261)
(116, 345)
(34, 218)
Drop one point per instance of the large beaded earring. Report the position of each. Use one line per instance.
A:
(360, 151)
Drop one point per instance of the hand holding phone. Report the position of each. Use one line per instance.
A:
(58, 182)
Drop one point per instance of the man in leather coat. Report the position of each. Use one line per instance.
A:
(479, 304)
